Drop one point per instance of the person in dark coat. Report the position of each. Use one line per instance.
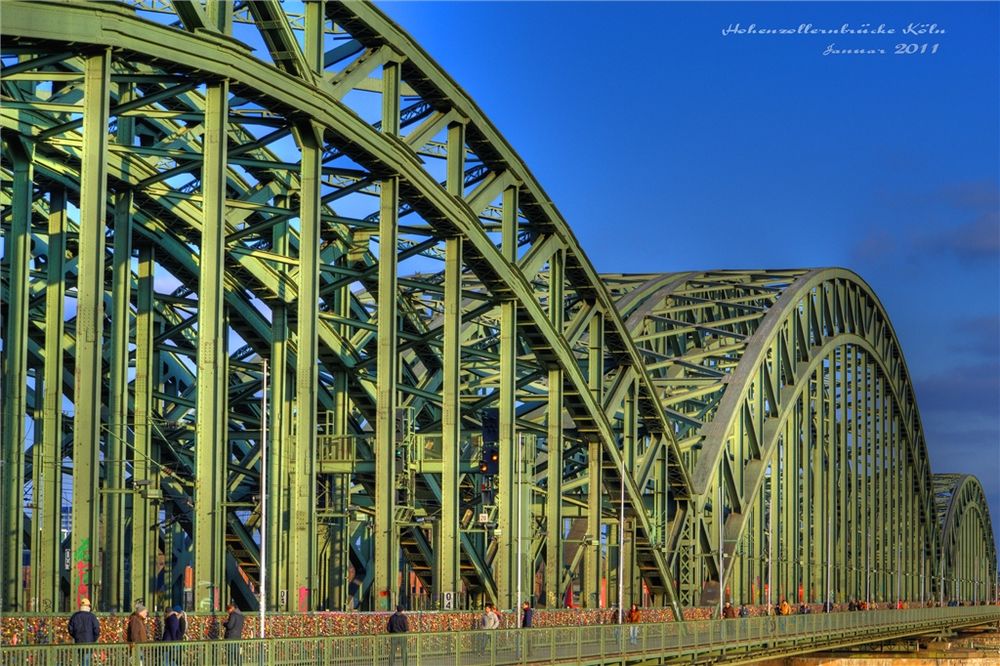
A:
(84, 627)
(172, 632)
(398, 625)
(233, 624)
(526, 615)
(182, 623)
(171, 627)
(233, 631)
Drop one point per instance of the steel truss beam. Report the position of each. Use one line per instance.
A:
(402, 272)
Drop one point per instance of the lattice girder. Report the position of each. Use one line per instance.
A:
(213, 185)
(162, 166)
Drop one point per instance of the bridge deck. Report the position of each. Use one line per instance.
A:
(730, 641)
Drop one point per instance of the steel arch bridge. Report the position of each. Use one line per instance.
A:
(459, 405)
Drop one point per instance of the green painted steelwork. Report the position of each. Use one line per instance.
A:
(335, 204)
(966, 539)
(211, 446)
(89, 330)
(47, 459)
(728, 642)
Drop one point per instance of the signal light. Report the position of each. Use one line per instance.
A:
(490, 463)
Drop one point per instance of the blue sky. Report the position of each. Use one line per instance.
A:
(670, 146)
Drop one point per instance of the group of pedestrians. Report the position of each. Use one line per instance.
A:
(85, 628)
(730, 612)
(398, 626)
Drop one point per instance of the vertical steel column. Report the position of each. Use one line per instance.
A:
(591, 583)
(89, 328)
(340, 536)
(386, 547)
(554, 443)
(507, 561)
(853, 475)
(145, 541)
(630, 443)
(220, 15)
(789, 489)
(835, 538)
(116, 444)
(211, 434)
(447, 575)
(447, 578)
(302, 554)
(799, 499)
(771, 481)
(819, 539)
(48, 455)
(279, 423)
(315, 23)
(865, 449)
(386, 550)
(876, 432)
(314, 34)
(17, 251)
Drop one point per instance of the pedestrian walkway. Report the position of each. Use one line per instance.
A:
(730, 641)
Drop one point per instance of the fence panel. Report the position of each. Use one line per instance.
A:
(503, 646)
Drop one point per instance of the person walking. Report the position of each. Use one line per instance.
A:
(171, 627)
(182, 623)
(527, 615)
(728, 611)
(398, 626)
(172, 633)
(785, 608)
(488, 621)
(490, 618)
(633, 617)
(135, 631)
(84, 627)
(233, 627)
(744, 611)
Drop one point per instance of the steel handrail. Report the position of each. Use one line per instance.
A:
(722, 639)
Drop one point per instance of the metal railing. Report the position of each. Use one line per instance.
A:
(725, 639)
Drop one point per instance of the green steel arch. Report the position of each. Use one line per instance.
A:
(794, 410)
(969, 556)
(191, 190)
